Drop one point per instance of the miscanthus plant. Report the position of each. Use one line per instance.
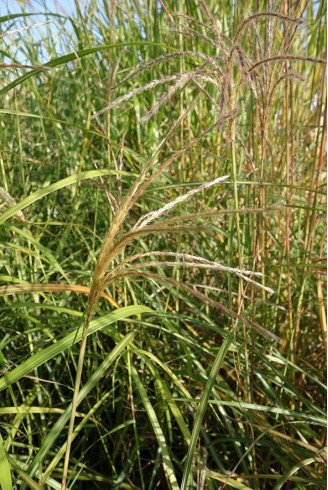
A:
(162, 244)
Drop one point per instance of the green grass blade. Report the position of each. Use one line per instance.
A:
(187, 474)
(167, 463)
(5, 18)
(166, 393)
(20, 470)
(62, 60)
(5, 474)
(228, 482)
(47, 254)
(35, 196)
(85, 390)
(72, 338)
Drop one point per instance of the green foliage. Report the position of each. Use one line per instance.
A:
(161, 174)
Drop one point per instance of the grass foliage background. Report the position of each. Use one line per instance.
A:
(195, 375)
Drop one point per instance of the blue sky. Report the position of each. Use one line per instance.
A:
(57, 6)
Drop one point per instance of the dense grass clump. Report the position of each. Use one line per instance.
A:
(162, 227)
